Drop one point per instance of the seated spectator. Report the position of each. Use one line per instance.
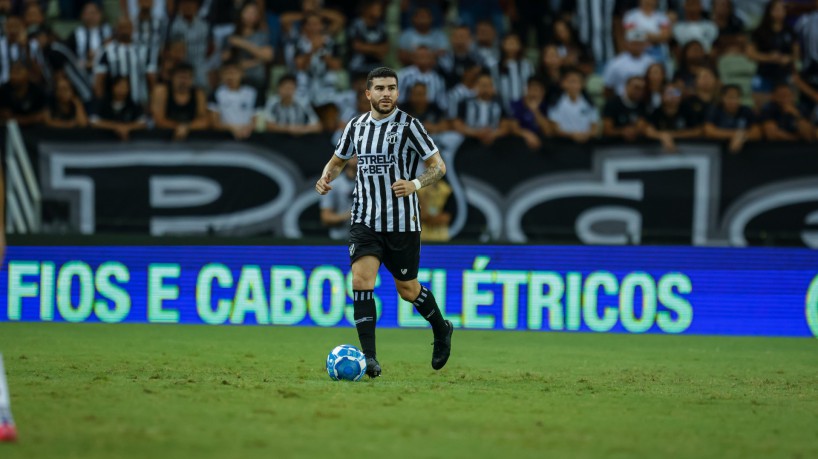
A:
(486, 44)
(807, 79)
(149, 29)
(673, 120)
(87, 40)
(233, 105)
(481, 117)
(429, 114)
(655, 81)
(318, 62)
(573, 116)
(195, 31)
(123, 58)
(369, 42)
(570, 50)
(286, 115)
(336, 207)
(292, 25)
(550, 73)
(57, 61)
(531, 114)
(773, 46)
(66, 110)
(624, 116)
(694, 26)
(732, 122)
(421, 34)
(460, 92)
(632, 62)
(438, 8)
(459, 60)
(423, 70)
(731, 27)
(706, 92)
(118, 112)
(692, 58)
(783, 120)
(513, 72)
(250, 46)
(14, 46)
(653, 24)
(174, 54)
(20, 99)
(180, 105)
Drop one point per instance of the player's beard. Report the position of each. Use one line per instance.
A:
(377, 107)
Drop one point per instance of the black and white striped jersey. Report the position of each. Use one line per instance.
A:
(131, 60)
(295, 113)
(511, 79)
(86, 43)
(388, 150)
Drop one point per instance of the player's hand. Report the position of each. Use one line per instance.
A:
(323, 186)
(403, 188)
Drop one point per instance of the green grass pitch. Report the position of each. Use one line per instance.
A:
(157, 391)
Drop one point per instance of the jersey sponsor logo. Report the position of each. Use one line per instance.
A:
(398, 123)
(375, 164)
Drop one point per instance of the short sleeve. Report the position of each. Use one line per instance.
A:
(420, 141)
(344, 148)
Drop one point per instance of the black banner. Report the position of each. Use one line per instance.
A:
(601, 193)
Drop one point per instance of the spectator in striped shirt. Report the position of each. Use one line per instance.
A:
(118, 112)
(318, 62)
(286, 115)
(180, 105)
(250, 45)
(421, 34)
(14, 46)
(233, 105)
(20, 99)
(369, 42)
(195, 31)
(124, 58)
(455, 63)
(573, 116)
(66, 110)
(485, 37)
(482, 117)
(423, 70)
(87, 40)
(150, 30)
(512, 74)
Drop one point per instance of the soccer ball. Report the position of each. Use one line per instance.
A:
(346, 362)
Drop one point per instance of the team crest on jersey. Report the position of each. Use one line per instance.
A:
(351, 249)
(392, 138)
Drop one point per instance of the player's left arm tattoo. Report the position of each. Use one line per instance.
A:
(435, 170)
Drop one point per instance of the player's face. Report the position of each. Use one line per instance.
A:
(383, 95)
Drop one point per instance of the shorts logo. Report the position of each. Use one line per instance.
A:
(351, 249)
(403, 271)
(392, 138)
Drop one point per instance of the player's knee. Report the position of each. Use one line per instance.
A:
(363, 282)
(409, 291)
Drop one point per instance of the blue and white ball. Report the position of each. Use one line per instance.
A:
(346, 362)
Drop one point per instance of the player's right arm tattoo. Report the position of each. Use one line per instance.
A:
(433, 173)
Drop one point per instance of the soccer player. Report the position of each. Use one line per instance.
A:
(385, 229)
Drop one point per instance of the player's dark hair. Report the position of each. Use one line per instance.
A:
(287, 77)
(380, 72)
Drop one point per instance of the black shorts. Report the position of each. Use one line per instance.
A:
(399, 252)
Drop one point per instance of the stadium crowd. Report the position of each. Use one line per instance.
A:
(574, 69)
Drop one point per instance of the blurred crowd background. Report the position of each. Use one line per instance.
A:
(576, 69)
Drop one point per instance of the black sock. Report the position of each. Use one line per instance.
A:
(427, 307)
(364, 303)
